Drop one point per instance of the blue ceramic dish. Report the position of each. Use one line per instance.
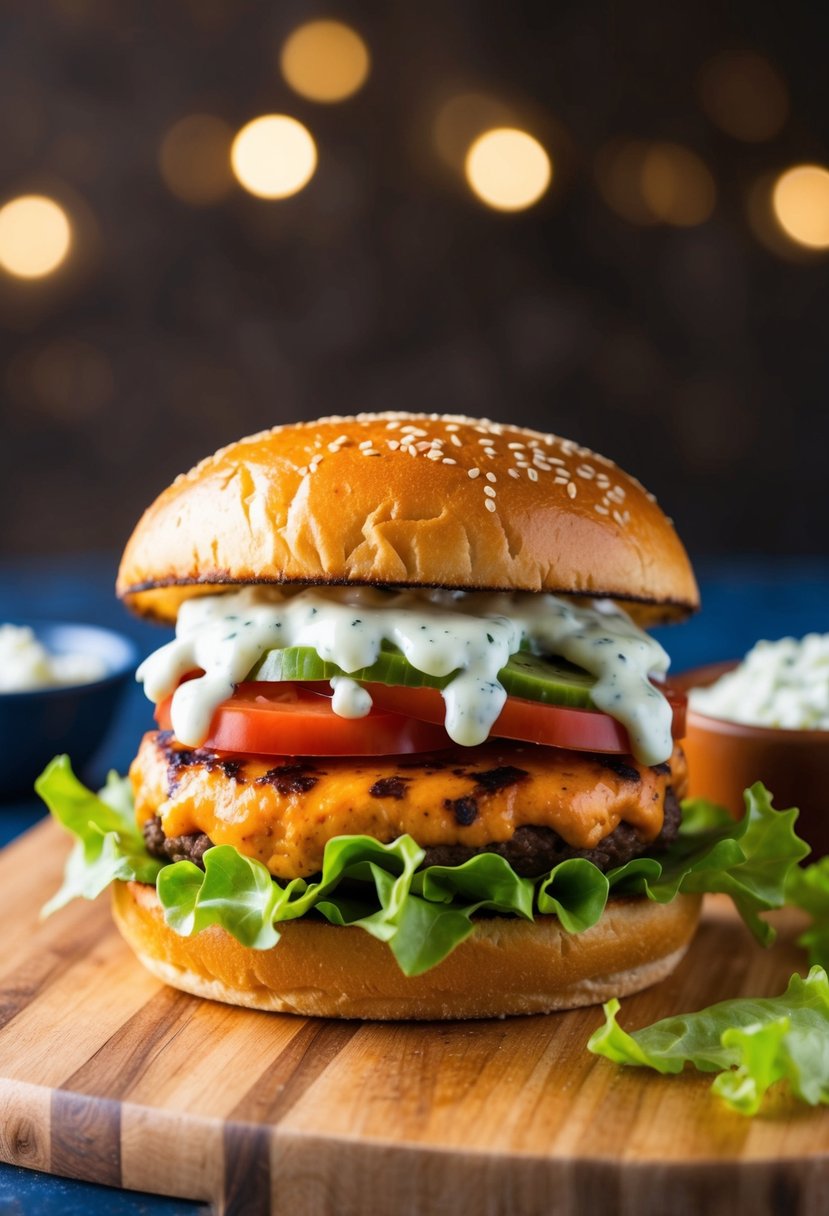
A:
(36, 725)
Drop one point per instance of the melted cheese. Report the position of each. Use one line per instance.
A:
(282, 813)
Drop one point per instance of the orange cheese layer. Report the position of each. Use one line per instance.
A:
(283, 811)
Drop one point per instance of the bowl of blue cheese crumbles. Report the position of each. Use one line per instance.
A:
(766, 719)
(59, 686)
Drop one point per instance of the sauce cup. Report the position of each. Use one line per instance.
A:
(724, 758)
(36, 725)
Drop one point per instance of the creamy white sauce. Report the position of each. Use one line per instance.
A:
(784, 684)
(26, 664)
(439, 632)
(350, 699)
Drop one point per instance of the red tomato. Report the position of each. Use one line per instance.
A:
(533, 721)
(271, 719)
(275, 719)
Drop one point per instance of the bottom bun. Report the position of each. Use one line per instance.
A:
(507, 966)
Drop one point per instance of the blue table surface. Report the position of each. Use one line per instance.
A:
(743, 600)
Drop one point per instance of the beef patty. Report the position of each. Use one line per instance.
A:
(530, 852)
(533, 805)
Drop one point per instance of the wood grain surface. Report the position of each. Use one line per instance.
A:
(107, 1075)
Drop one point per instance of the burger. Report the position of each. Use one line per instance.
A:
(415, 756)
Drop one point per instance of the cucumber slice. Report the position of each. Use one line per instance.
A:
(553, 681)
(550, 679)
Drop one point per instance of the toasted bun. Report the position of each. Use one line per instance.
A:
(407, 500)
(508, 966)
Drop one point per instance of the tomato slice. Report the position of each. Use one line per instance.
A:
(292, 720)
(533, 721)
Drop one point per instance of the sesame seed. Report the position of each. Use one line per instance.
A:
(457, 442)
(370, 452)
(619, 517)
(394, 444)
(333, 447)
(571, 489)
(489, 504)
(542, 464)
(514, 473)
(516, 447)
(433, 454)
(522, 464)
(302, 472)
(488, 490)
(473, 473)
(554, 460)
(411, 449)
(585, 471)
(533, 476)
(452, 426)
(490, 453)
(392, 426)
(601, 510)
(491, 477)
(412, 430)
(486, 442)
(448, 460)
(342, 439)
(366, 444)
(423, 446)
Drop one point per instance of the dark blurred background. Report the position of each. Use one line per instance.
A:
(664, 299)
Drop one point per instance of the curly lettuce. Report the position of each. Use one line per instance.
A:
(807, 888)
(750, 1042)
(422, 914)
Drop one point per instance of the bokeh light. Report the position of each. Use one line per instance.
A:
(325, 61)
(274, 156)
(508, 169)
(677, 186)
(194, 159)
(744, 95)
(35, 236)
(619, 169)
(656, 183)
(67, 379)
(460, 119)
(800, 200)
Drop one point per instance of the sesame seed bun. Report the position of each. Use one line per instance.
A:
(508, 966)
(408, 500)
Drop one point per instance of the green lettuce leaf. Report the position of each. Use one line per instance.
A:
(749, 860)
(808, 888)
(422, 914)
(109, 844)
(752, 1042)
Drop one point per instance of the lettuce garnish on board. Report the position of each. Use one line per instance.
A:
(751, 1042)
(421, 914)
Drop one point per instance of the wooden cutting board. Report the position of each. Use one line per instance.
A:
(109, 1076)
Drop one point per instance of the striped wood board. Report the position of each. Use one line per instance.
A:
(107, 1075)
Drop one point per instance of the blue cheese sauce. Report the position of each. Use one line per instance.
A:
(439, 632)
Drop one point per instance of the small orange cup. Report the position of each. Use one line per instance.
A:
(724, 758)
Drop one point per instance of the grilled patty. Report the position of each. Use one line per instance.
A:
(530, 852)
(533, 805)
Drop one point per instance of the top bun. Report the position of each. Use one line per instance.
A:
(407, 500)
